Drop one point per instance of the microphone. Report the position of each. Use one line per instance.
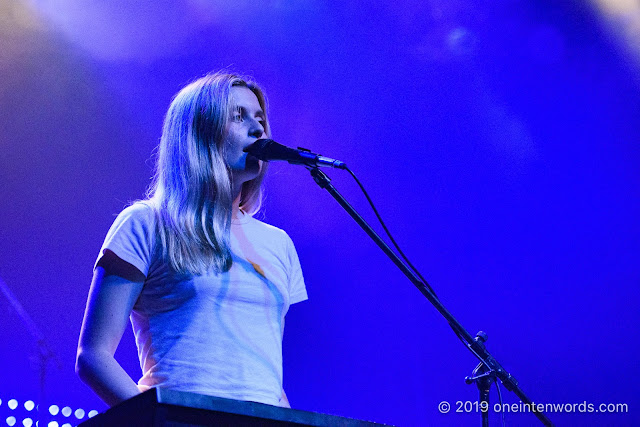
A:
(268, 149)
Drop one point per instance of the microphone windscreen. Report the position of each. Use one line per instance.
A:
(268, 149)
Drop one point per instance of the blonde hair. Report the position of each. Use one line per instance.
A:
(191, 189)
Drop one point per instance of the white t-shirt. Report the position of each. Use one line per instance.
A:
(215, 334)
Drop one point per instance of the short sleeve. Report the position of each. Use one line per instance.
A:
(297, 288)
(131, 237)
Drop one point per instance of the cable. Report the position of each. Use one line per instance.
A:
(404, 257)
(415, 270)
(500, 399)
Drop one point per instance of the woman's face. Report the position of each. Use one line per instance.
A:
(245, 127)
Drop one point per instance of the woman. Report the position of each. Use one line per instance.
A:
(205, 285)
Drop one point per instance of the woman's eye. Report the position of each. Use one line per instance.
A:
(237, 115)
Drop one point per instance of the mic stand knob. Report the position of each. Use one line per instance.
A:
(483, 377)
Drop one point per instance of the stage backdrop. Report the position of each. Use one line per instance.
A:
(499, 140)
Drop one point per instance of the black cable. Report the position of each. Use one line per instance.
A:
(424, 281)
(415, 270)
(501, 404)
(404, 257)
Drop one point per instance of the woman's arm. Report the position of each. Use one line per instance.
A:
(114, 290)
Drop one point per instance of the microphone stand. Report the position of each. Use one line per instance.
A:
(483, 377)
(45, 354)
(489, 367)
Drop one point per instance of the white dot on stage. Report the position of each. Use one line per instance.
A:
(29, 405)
(66, 411)
(53, 409)
(27, 422)
(79, 413)
(92, 413)
(13, 404)
(11, 421)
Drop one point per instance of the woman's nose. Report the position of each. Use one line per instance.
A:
(256, 130)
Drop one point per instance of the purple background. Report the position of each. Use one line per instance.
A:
(498, 139)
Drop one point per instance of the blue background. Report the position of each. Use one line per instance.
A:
(498, 139)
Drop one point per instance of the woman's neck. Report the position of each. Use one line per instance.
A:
(235, 206)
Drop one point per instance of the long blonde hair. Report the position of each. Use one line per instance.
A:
(191, 190)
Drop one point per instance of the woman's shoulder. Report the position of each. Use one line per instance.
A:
(138, 215)
(267, 230)
(132, 236)
(141, 210)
